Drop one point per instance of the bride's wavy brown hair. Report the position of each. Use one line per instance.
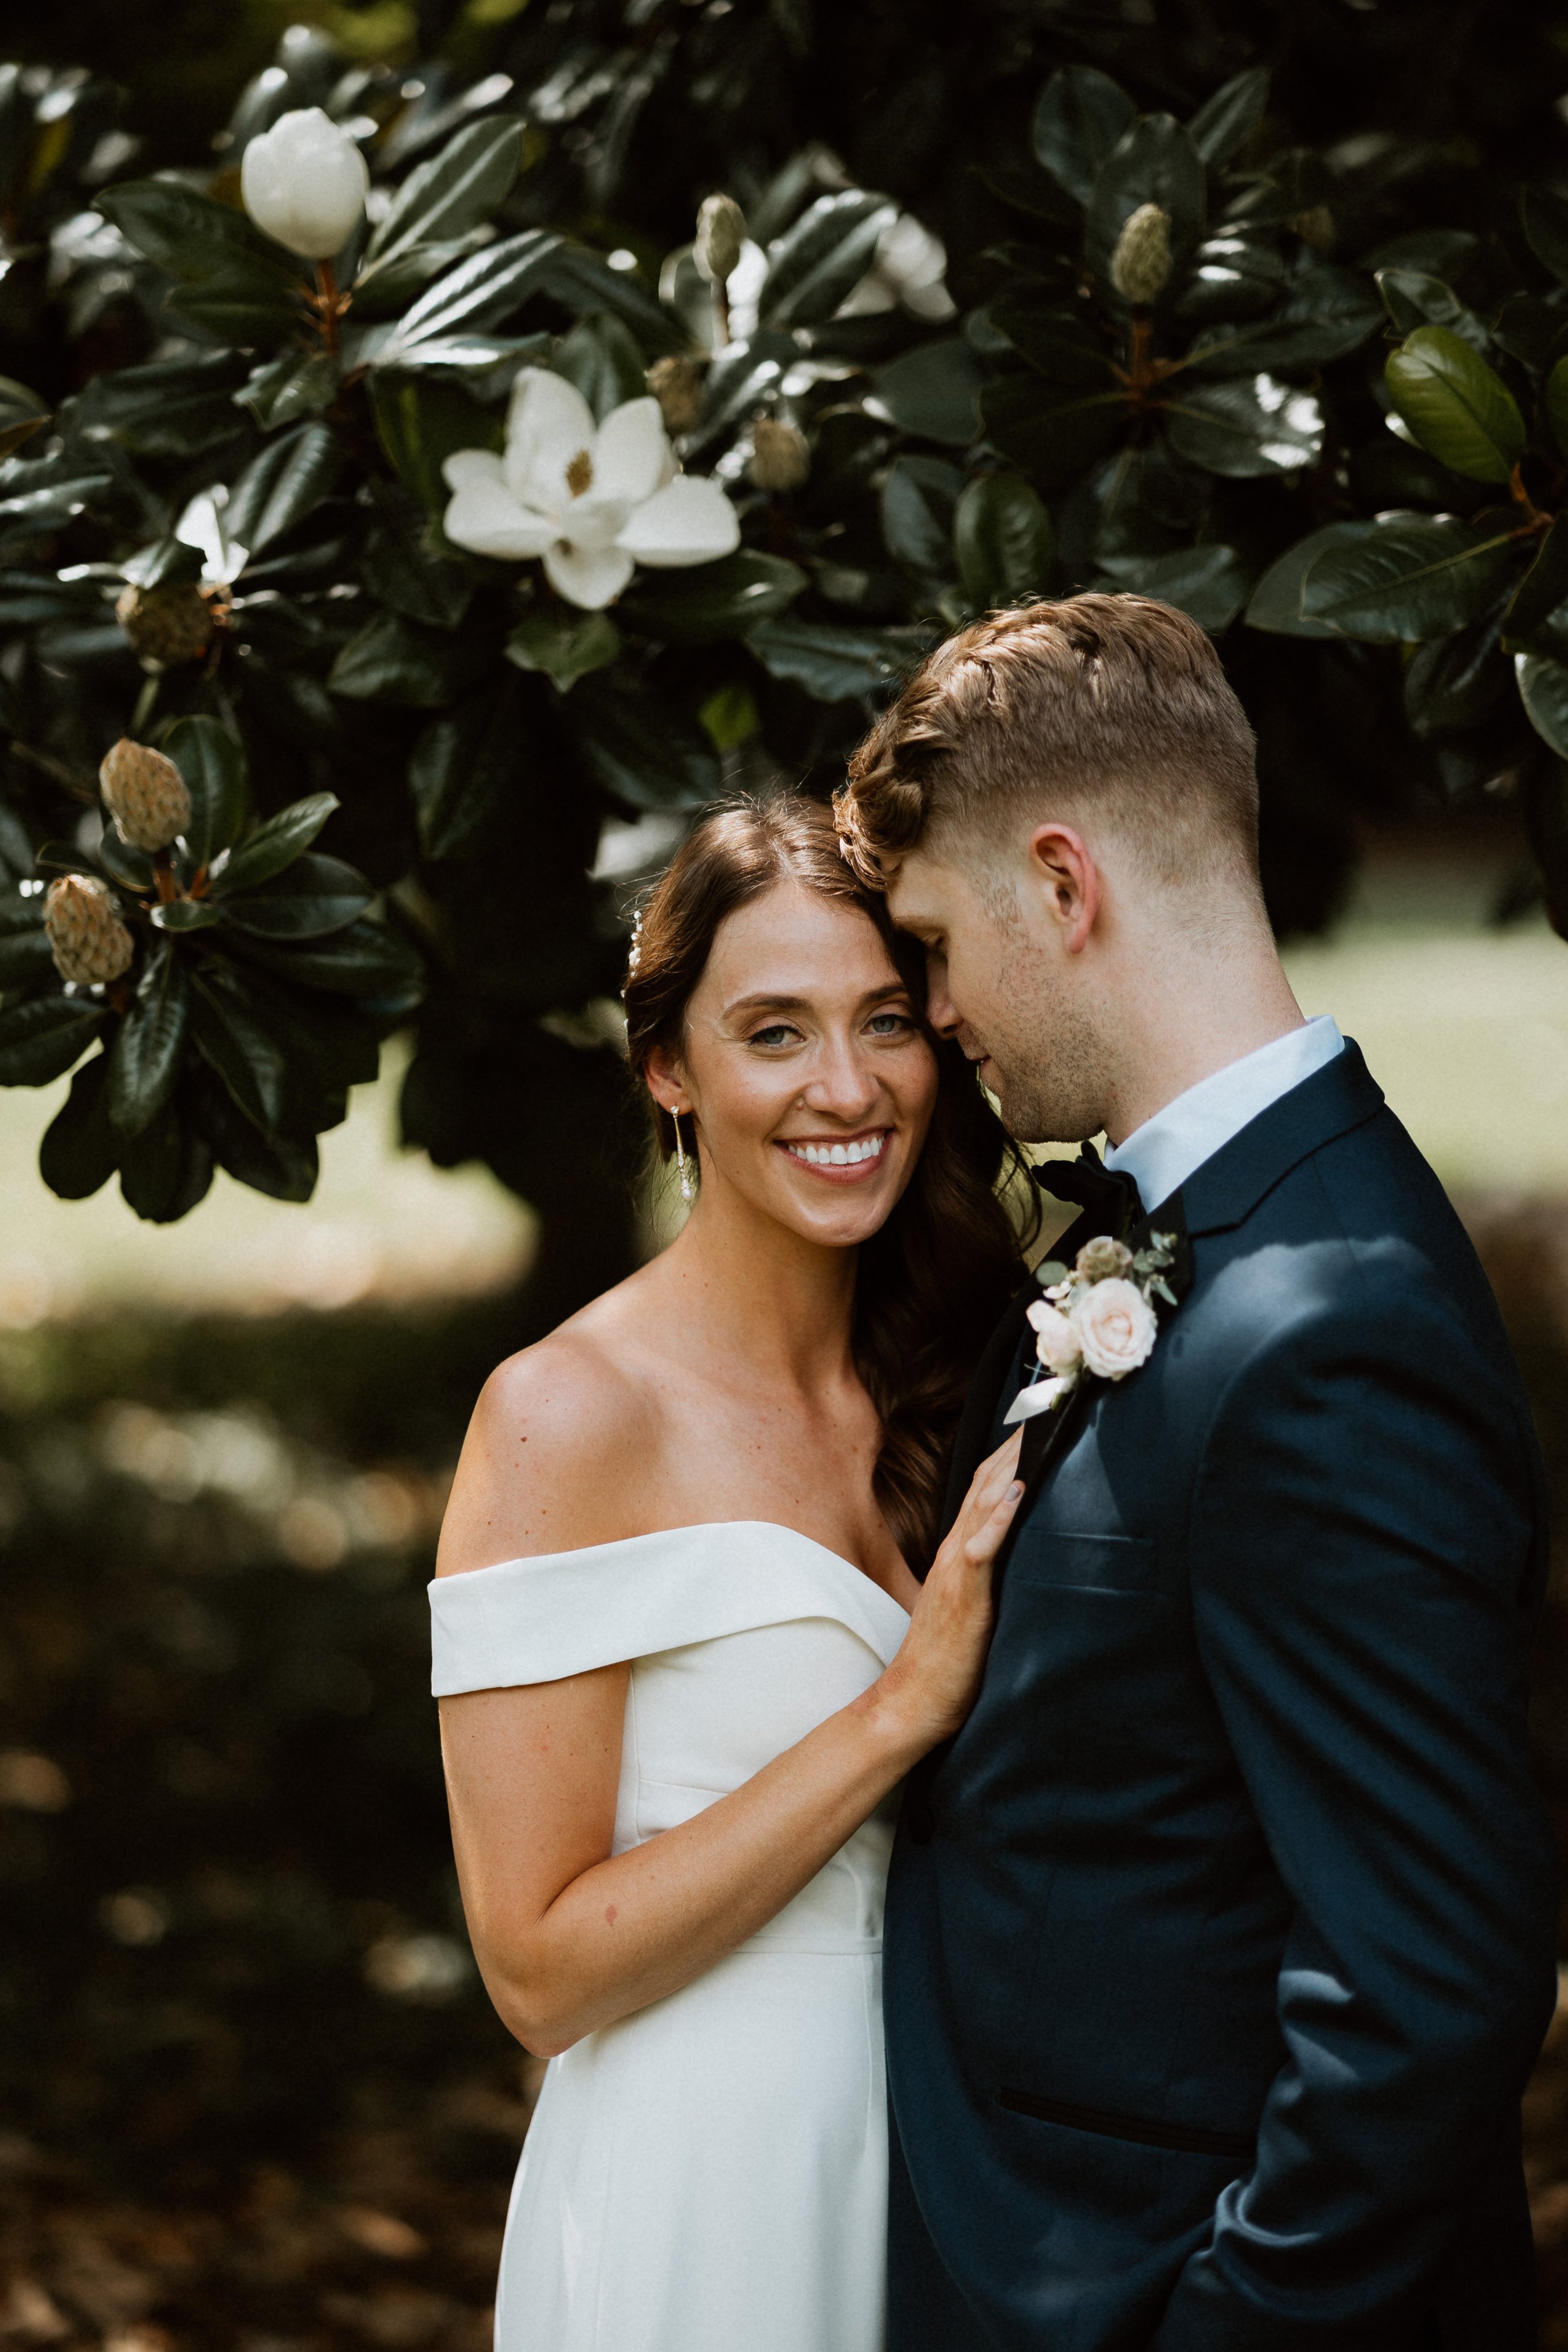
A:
(931, 1283)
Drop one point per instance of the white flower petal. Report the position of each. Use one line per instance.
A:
(472, 469)
(483, 515)
(1043, 1397)
(691, 520)
(632, 455)
(548, 423)
(593, 522)
(592, 577)
(304, 182)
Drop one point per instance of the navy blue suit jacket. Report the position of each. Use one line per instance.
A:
(1220, 1942)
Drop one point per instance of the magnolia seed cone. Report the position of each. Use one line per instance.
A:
(677, 385)
(1140, 264)
(168, 624)
(781, 456)
(721, 233)
(89, 942)
(145, 794)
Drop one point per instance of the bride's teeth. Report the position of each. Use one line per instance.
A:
(838, 1156)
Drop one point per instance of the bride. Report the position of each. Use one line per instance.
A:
(682, 1650)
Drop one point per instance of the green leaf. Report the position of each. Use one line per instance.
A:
(419, 422)
(469, 768)
(451, 193)
(483, 292)
(918, 498)
(1053, 439)
(393, 660)
(283, 483)
(1278, 603)
(1209, 583)
(144, 1058)
(181, 915)
(579, 281)
(275, 845)
(1053, 339)
(366, 959)
(43, 1035)
(393, 285)
(712, 600)
(405, 566)
(79, 1148)
(817, 262)
(1002, 537)
(166, 409)
(1155, 163)
(1412, 299)
(1543, 690)
(728, 718)
(643, 752)
(195, 239)
(237, 314)
(930, 392)
(603, 357)
(1545, 217)
(1543, 587)
(1328, 313)
(1234, 276)
(1081, 118)
(234, 1043)
(564, 645)
(294, 384)
(314, 896)
(834, 665)
(1223, 121)
(1554, 400)
(165, 1170)
(21, 415)
(211, 763)
(1457, 409)
(25, 957)
(1410, 578)
(278, 1166)
(1245, 428)
(1453, 682)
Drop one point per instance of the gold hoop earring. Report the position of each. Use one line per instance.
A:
(685, 1172)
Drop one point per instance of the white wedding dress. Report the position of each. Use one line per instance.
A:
(709, 2174)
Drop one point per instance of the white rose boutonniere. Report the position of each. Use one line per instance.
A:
(1096, 1320)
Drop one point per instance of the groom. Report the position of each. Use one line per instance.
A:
(1220, 1941)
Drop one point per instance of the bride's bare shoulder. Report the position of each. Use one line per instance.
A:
(562, 1433)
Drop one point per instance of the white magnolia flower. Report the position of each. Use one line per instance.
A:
(1116, 1327)
(304, 182)
(591, 500)
(910, 267)
(1057, 1342)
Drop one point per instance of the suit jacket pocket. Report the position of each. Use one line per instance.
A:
(1047, 1554)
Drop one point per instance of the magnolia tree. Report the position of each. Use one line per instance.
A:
(378, 622)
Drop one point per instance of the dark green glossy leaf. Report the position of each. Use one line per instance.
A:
(742, 379)
(294, 384)
(1155, 163)
(451, 193)
(283, 483)
(1029, 190)
(192, 237)
(165, 1170)
(80, 1148)
(275, 845)
(1327, 313)
(180, 915)
(145, 1057)
(1081, 116)
(579, 281)
(420, 422)
(1053, 439)
(604, 359)
(22, 412)
(563, 644)
(1543, 587)
(816, 263)
(1223, 123)
(406, 566)
(43, 1035)
(1410, 578)
(235, 1041)
(51, 505)
(280, 1167)
(236, 313)
(1245, 427)
(1053, 338)
(1458, 408)
(1543, 690)
(1412, 299)
(1234, 276)
(918, 498)
(314, 896)
(1545, 216)
(395, 660)
(1531, 330)
(712, 600)
(394, 284)
(1209, 583)
(1452, 683)
(211, 763)
(641, 751)
(469, 768)
(930, 392)
(1278, 601)
(365, 959)
(1554, 400)
(1001, 538)
(834, 665)
(167, 409)
(483, 291)
(26, 959)
(162, 560)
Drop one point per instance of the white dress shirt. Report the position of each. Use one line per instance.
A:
(1163, 1153)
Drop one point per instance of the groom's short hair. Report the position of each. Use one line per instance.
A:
(1114, 706)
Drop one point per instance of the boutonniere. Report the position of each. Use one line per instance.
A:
(1095, 1321)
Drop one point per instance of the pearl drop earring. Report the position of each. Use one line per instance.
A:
(685, 1184)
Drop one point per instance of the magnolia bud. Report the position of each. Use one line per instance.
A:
(144, 793)
(1315, 226)
(781, 456)
(721, 234)
(168, 624)
(89, 942)
(677, 385)
(304, 182)
(1142, 261)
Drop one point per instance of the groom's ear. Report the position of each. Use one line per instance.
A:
(1067, 883)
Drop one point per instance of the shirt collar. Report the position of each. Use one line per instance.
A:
(1164, 1152)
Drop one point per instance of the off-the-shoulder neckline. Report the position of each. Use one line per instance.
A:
(659, 1534)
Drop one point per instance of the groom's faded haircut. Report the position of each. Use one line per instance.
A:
(1114, 706)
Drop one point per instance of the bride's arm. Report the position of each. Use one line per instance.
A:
(569, 1939)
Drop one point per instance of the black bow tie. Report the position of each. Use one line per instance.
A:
(1107, 1196)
